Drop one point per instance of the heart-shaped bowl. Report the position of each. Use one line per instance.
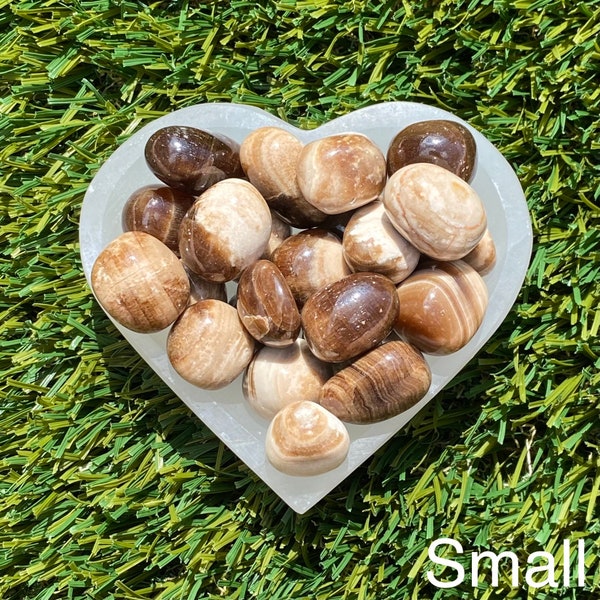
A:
(225, 411)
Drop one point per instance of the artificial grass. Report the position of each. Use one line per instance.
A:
(110, 489)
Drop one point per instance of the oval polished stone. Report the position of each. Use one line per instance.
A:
(269, 156)
(226, 230)
(442, 306)
(305, 439)
(192, 159)
(310, 260)
(140, 282)
(379, 385)
(350, 316)
(266, 305)
(208, 346)
(372, 243)
(157, 210)
(341, 172)
(483, 257)
(279, 231)
(277, 377)
(445, 143)
(436, 211)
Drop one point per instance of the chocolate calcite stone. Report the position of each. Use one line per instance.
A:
(445, 143)
(157, 210)
(442, 306)
(306, 439)
(266, 305)
(379, 385)
(191, 159)
(140, 282)
(208, 346)
(350, 316)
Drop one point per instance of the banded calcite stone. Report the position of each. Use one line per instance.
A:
(349, 316)
(140, 282)
(266, 305)
(379, 385)
(208, 346)
(442, 306)
(305, 439)
(225, 231)
(341, 172)
(436, 211)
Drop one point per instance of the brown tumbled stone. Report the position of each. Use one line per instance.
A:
(379, 385)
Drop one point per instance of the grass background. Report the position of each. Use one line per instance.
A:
(109, 489)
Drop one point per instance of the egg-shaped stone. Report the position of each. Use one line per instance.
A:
(442, 142)
(379, 385)
(226, 230)
(372, 243)
(436, 211)
(341, 172)
(140, 282)
(208, 346)
(157, 210)
(442, 305)
(310, 260)
(350, 316)
(191, 159)
(266, 305)
(483, 257)
(269, 157)
(304, 439)
(277, 377)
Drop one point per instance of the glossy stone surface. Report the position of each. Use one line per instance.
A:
(305, 439)
(208, 345)
(277, 377)
(157, 210)
(140, 282)
(372, 243)
(442, 306)
(350, 316)
(441, 142)
(310, 260)
(269, 157)
(266, 305)
(483, 257)
(379, 385)
(225, 231)
(341, 172)
(436, 211)
(192, 159)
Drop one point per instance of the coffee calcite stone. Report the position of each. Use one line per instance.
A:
(226, 230)
(208, 346)
(310, 260)
(266, 305)
(483, 257)
(372, 243)
(350, 316)
(157, 210)
(442, 306)
(436, 211)
(341, 172)
(269, 157)
(441, 142)
(140, 282)
(305, 439)
(192, 159)
(277, 377)
(379, 385)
